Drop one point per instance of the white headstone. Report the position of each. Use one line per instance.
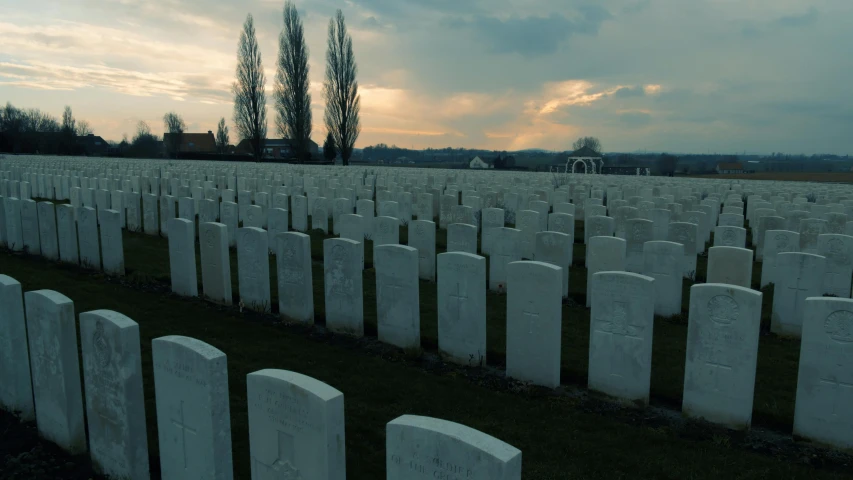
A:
(776, 242)
(686, 234)
(253, 267)
(16, 390)
(621, 332)
(182, 257)
(730, 236)
(30, 227)
(14, 233)
(277, 220)
(662, 261)
(112, 245)
(47, 231)
(215, 262)
(505, 249)
(193, 413)
(722, 351)
(838, 250)
(296, 427)
(462, 237)
(67, 234)
(529, 224)
(424, 447)
(603, 254)
(825, 381)
(397, 295)
(462, 308)
(422, 237)
(87, 232)
(797, 277)
(730, 265)
(342, 282)
(534, 322)
(638, 231)
(115, 404)
(52, 335)
(555, 248)
(295, 278)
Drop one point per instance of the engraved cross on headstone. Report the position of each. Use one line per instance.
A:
(459, 298)
(282, 468)
(182, 425)
(838, 390)
(717, 370)
(531, 315)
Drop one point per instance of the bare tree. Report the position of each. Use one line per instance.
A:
(250, 100)
(83, 128)
(68, 123)
(222, 139)
(341, 89)
(174, 136)
(293, 102)
(591, 142)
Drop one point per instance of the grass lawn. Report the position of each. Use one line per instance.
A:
(561, 436)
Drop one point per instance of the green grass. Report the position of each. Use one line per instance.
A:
(572, 436)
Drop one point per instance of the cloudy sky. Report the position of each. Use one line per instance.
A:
(664, 75)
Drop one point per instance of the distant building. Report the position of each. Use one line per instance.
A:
(93, 145)
(730, 167)
(278, 148)
(478, 162)
(624, 170)
(193, 142)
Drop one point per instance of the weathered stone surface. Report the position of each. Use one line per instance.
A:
(295, 278)
(621, 332)
(797, 277)
(422, 237)
(193, 413)
(16, 389)
(253, 268)
(730, 265)
(462, 308)
(88, 239)
(662, 261)
(115, 403)
(397, 295)
(722, 351)
(215, 262)
(182, 257)
(296, 427)
(344, 300)
(603, 254)
(534, 323)
(52, 336)
(112, 244)
(423, 447)
(825, 379)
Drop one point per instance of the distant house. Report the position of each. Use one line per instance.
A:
(624, 170)
(733, 167)
(478, 162)
(93, 145)
(193, 142)
(277, 148)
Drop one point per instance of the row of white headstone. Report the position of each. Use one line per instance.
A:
(724, 318)
(80, 236)
(296, 423)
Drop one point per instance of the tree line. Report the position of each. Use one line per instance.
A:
(34, 131)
